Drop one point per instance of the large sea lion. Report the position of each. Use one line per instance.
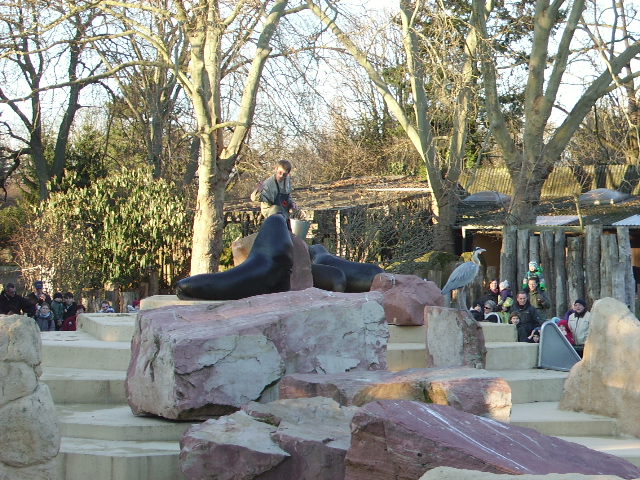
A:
(267, 269)
(359, 275)
(329, 278)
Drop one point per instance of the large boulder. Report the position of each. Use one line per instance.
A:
(467, 389)
(448, 473)
(30, 438)
(602, 381)
(302, 439)
(405, 297)
(453, 338)
(403, 439)
(301, 277)
(199, 361)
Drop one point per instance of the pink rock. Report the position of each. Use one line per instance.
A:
(402, 440)
(405, 297)
(302, 439)
(470, 390)
(454, 338)
(301, 277)
(198, 361)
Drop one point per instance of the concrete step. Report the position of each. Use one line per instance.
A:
(533, 385)
(117, 423)
(498, 332)
(81, 350)
(407, 334)
(625, 447)
(109, 327)
(401, 356)
(511, 355)
(73, 385)
(546, 418)
(83, 458)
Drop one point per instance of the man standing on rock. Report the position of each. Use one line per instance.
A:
(274, 193)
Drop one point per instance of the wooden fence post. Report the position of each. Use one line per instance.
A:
(508, 257)
(575, 270)
(591, 262)
(522, 253)
(560, 272)
(624, 257)
(547, 248)
(608, 263)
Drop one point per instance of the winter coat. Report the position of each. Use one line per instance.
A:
(46, 323)
(529, 319)
(579, 327)
(16, 304)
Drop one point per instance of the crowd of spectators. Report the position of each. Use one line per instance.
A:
(527, 310)
(50, 314)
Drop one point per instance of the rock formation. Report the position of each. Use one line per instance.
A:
(406, 296)
(453, 338)
(30, 437)
(603, 382)
(403, 439)
(447, 473)
(467, 389)
(305, 439)
(199, 361)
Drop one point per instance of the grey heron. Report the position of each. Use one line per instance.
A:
(462, 276)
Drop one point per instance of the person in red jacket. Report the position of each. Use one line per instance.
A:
(70, 323)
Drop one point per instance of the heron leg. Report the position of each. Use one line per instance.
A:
(462, 299)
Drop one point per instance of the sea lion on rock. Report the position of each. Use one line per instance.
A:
(267, 269)
(329, 278)
(359, 275)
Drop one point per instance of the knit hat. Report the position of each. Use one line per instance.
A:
(504, 284)
(581, 302)
(533, 264)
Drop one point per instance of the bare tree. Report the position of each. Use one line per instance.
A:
(530, 155)
(425, 60)
(35, 39)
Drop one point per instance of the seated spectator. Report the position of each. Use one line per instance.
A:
(105, 307)
(579, 324)
(493, 293)
(11, 303)
(45, 318)
(563, 325)
(134, 307)
(70, 306)
(528, 317)
(57, 307)
(476, 312)
(504, 309)
(70, 323)
(505, 293)
(534, 337)
(490, 314)
(39, 296)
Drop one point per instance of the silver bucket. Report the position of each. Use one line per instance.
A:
(300, 227)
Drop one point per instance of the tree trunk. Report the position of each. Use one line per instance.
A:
(208, 221)
(527, 190)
